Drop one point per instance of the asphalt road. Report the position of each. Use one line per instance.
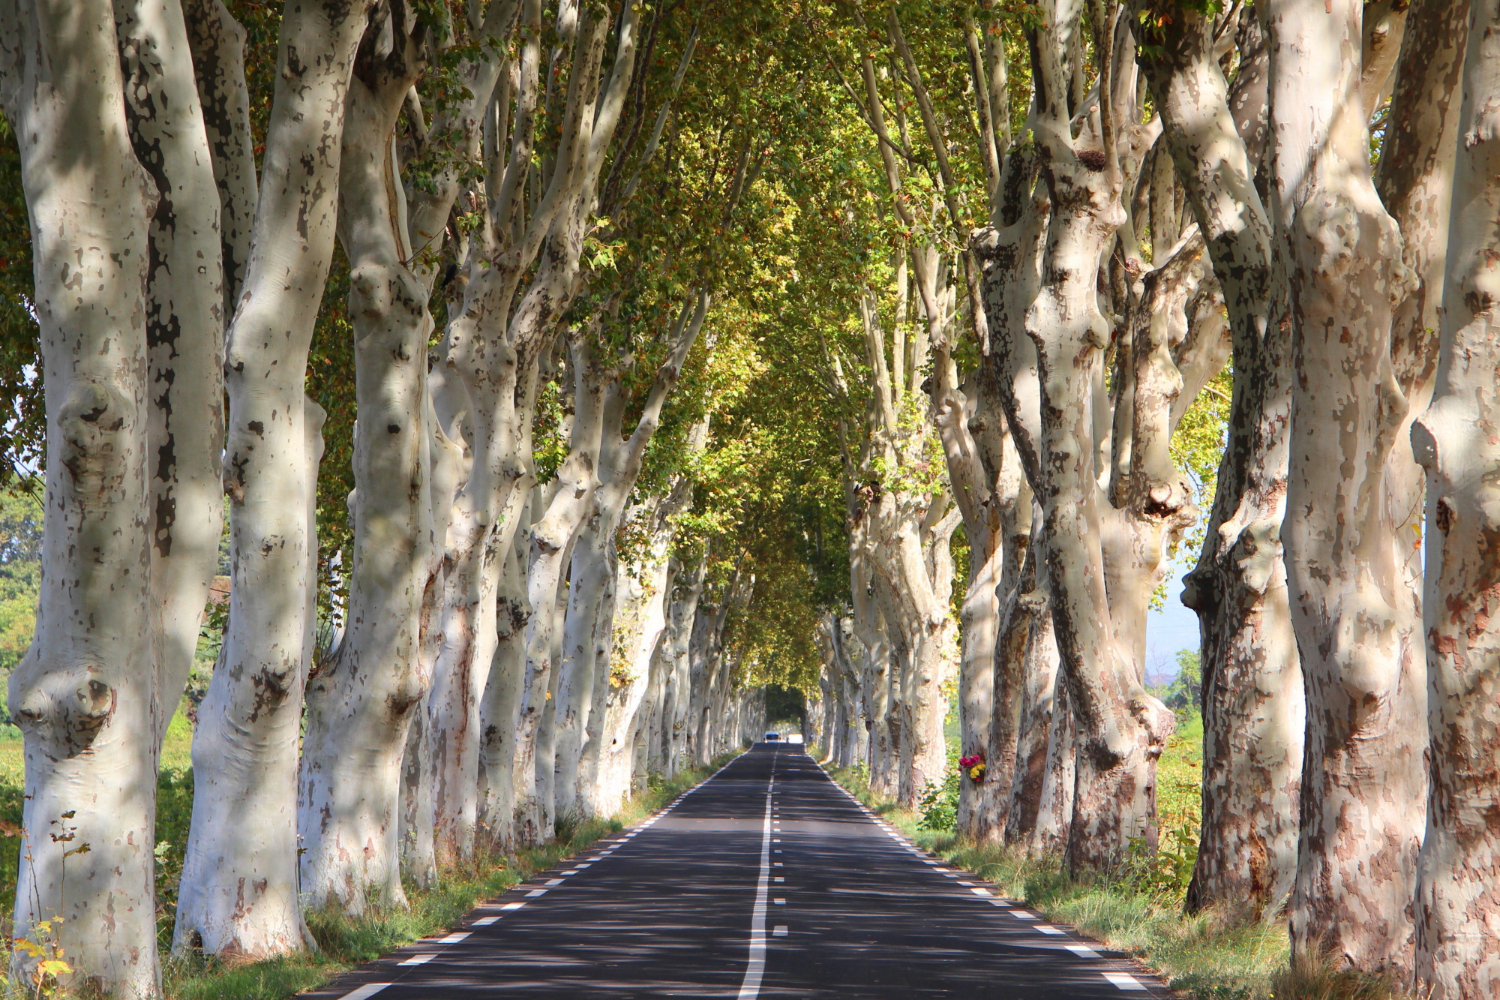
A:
(767, 880)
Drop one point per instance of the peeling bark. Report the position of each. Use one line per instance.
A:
(1353, 608)
(1457, 943)
(1252, 690)
(239, 885)
(86, 693)
(360, 701)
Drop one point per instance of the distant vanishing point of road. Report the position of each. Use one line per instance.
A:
(766, 881)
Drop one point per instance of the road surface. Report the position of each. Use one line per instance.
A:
(766, 881)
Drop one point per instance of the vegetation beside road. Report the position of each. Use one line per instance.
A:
(1137, 909)
(343, 942)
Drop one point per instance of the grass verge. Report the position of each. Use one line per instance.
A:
(1213, 955)
(346, 942)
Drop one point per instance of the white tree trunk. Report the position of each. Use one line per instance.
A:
(678, 701)
(552, 540)
(636, 630)
(360, 701)
(1457, 941)
(445, 459)
(85, 694)
(500, 710)
(184, 331)
(1355, 612)
(1252, 683)
(585, 639)
(1121, 728)
(217, 42)
(1041, 798)
(239, 884)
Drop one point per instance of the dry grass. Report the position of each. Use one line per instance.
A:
(343, 942)
(1137, 911)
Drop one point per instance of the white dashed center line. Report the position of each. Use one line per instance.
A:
(755, 969)
(1124, 981)
(365, 992)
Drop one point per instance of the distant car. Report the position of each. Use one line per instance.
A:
(773, 737)
(794, 738)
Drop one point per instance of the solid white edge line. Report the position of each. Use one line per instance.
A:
(755, 969)
(368, 990)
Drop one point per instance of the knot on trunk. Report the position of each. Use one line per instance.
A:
(64, 710)
(94, 428)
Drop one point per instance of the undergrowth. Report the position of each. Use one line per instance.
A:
(1137, 909)
(343, 942)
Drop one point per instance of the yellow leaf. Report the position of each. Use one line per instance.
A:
(53, 967)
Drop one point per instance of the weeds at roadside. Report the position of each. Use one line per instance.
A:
(1137, 910)
(344, 942)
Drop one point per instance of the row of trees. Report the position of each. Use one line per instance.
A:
(1094, 207)
(471, 252)
(564, 371)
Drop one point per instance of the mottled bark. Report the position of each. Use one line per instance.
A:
(85, 694)
(217, 42)
(1121, 728)
(1353, 606)
(499, 713)
(361, 700)
(184, 331)
(239, 883)
(1457, 942)
(1252, 685)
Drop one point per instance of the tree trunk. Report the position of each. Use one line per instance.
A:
(500, 711)
(584, 633)
(1121, 729)
(552, 538)
(85, 693)
(688, 591)
(1457, 942)
(1356, 621)
(217, 42)
(1037, 781)
(361, 700)
(1252, 685)
(239, 884)
(184, 332)
(1055, 802)
(496, 350)
(635, 632)
(446, 461)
